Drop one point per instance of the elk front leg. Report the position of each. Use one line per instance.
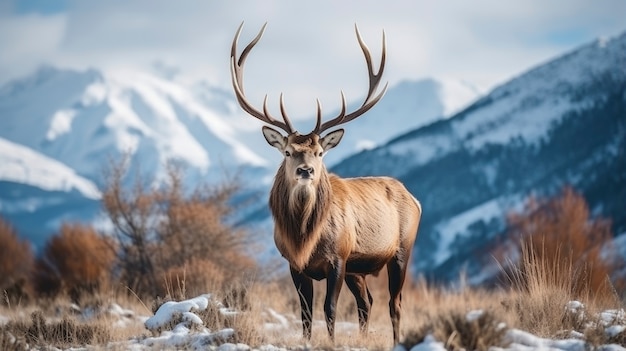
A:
(304, 287)
(334, 282)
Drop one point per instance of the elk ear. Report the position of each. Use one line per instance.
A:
(331, 139)
(274, 138)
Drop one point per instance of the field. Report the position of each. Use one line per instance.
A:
(264, 315)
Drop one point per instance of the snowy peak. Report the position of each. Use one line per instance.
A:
(521, 109)
(524, 109)
(23, 165)
(406, 106)
(589, 63)
(28, 106)
(81, 117)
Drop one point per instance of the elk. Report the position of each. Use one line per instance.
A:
(329, 227)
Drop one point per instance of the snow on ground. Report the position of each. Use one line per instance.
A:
(523, 341)
(178, 325)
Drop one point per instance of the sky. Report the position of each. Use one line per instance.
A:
(309, 49)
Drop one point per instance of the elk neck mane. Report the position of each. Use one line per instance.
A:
(299, 214)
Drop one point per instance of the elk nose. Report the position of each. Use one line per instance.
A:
(304, 172)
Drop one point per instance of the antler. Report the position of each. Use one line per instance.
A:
(374, 80)
(236, 71)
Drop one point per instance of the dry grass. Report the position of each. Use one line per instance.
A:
(539, 308)
(59, 323)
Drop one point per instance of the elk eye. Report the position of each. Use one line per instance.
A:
(287, 153)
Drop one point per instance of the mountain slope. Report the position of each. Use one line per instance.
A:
(60, 129)
(80, 117)
(406, 106)
(560, 123)
(38, 193)
(23, 165)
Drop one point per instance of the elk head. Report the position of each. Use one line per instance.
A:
(303, 153)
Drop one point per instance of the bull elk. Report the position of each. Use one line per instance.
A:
(329, 227)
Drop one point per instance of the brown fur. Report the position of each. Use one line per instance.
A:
(300, 212)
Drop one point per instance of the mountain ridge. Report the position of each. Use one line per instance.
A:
(558, 124)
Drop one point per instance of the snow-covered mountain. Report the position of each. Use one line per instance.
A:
(406, 106)
(60, 128)
(563, 122)
(23, 165)
(39, 193)
(79, 117)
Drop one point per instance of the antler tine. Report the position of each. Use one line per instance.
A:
(370, 99)
(236, 71)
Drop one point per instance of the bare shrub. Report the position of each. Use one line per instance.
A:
(132, 213)
(16, 262)
(172, 239)
(193, 234)
(76, 261)
(561, 246)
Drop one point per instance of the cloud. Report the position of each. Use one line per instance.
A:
(309, 49)
(28, 41)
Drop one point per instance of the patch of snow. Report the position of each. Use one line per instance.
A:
(471, 316)
(575, 306)
(521, 340)
(613, 316)
(424, 149)
(23, 165)
(279, 322)
(365, 144)
(170, 310)
(429, 344)
(60, 124)
(614, 330)
(94, 94)
(456, 95)
(457, 225)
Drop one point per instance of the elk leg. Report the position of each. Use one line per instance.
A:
(334, 282)
(397, 270)
(304, 287)
(363, 297)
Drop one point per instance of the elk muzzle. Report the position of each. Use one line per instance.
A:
(304, 174)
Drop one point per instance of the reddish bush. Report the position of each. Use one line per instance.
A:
(559, 237)
(16, 262)
(76, 260)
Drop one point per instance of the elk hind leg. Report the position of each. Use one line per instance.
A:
(363, 297)
(397, 271)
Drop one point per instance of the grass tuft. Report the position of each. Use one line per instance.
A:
(64, 333)
(460, 331)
